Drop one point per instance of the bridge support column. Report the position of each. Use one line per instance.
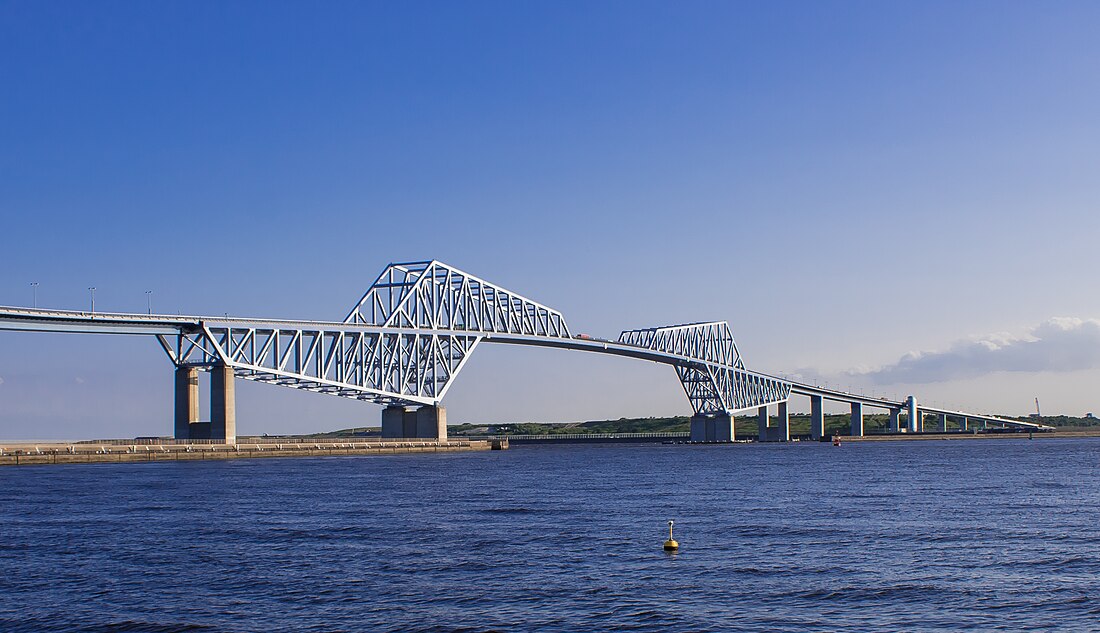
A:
(187, 401)
(408, 423)
(965, 423)
(817, 417)
(725, 428)
(783, 432)
(857, 419)
(762, 424)
(223, 405)
(911, 405)
(943, 422)
(393, 422)
(712, 427)
(895, 420)
(698, 428)
(431, 423)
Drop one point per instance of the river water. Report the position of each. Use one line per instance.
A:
(938, 535)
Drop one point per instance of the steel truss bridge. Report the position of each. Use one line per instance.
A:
(406, 340)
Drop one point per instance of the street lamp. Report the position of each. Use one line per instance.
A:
(149, 300)
(91, 289)
(34, 286)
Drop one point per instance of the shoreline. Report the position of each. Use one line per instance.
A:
(145, 451)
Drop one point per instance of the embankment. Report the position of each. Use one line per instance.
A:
(115, 452)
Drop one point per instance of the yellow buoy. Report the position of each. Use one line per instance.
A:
(671, 545)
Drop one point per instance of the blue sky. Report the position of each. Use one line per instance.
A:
(845, 183)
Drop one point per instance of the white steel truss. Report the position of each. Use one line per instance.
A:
(721, 382)
(436, 296)
(712, 342)
(386, 367)
(403, 343)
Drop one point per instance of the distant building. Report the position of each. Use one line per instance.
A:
(1090, 416)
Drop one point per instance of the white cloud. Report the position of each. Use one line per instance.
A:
(1, 380)
(79, 380)
(1060, 344)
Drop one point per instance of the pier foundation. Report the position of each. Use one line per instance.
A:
(781, 432)
(698, 428)
(817, 417)
(431, 423)
(427, 422)
(187, 401)
(911, 405)
(857, 419)
(223, 405)
(712, 427)
(393, 421)
(783, 427)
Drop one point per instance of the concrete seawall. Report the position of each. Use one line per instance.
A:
(918, 437)
(113, 453)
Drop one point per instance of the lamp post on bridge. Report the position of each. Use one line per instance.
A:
(91, 290)
(149, 300)
(34, 289)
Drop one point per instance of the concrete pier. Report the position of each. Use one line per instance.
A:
(712, 427)
(943, 422)
(223, 405)
(426, 422)
(187, 401)
(817, 417)
(431, 423)
(895, 420)
(698, 428)
(781, 432)
(408, 423)
(783, 427)
(911, 405)
(725, 428)
(857, 419)
(393, 422)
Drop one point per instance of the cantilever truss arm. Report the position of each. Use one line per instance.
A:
(433, 295)
(719, 382)
(393, 366)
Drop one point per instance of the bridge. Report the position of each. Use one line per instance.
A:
(406, 340)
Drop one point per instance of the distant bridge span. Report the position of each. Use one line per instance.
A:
(408, 337)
